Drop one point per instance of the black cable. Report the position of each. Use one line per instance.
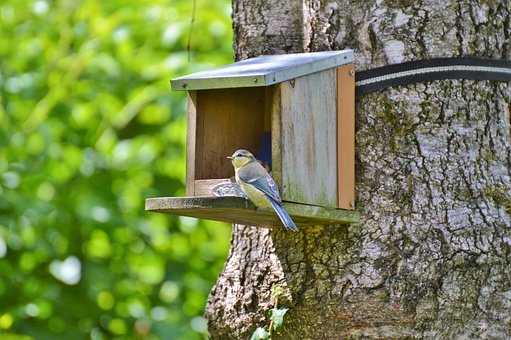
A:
(431, 69)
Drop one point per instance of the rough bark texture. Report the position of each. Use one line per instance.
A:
(432, 257)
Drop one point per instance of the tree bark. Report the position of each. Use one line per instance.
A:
(432, 255)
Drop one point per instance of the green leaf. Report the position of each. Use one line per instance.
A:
(276, 291)
(260, 334)
(277, 316)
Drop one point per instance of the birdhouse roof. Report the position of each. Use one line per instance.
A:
(264, 70)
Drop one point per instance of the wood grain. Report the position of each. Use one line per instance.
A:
(274, 107)
(191, 141)
(346, 136)
(240, 210)
(227, 119)
(309, 139)
(268, 103)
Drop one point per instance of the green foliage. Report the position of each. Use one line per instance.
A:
(276, 292)
(260, 334)
(88, 129)
(276, 316)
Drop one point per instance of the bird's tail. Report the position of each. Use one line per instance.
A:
(283, 215)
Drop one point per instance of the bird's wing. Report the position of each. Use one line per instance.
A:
(284, 217)
(256, 175)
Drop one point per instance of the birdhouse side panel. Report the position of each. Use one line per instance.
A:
(308, 136)
(190, 142)
(346, 136)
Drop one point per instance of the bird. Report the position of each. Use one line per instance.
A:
(255, 181)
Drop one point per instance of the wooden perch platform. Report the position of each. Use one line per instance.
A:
(239, 210)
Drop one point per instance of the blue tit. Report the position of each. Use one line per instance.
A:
(258, 185)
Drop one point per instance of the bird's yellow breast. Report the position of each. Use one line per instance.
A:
(254, 195)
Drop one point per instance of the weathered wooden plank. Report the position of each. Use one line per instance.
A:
(274, 105)
(309, 139)
(242, 211)
(191, 141)
(268, 104)
(227, 119)
(346, 136)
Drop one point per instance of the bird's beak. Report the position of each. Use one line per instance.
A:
(229, 157)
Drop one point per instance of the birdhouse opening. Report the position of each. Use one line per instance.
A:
(226, 120)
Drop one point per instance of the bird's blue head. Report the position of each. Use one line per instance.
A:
(241, 157)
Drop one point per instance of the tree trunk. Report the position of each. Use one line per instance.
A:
(432, 255)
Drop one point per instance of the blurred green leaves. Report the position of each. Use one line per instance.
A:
(88, 129)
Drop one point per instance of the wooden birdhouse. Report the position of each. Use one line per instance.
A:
(295, 112)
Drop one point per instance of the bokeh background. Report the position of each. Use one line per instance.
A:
(88, 129)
